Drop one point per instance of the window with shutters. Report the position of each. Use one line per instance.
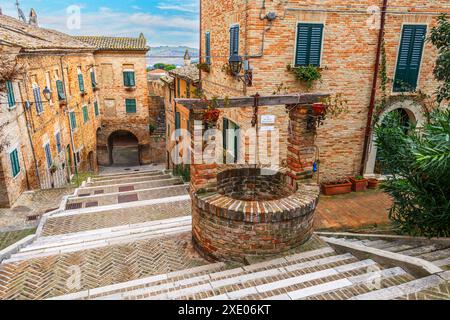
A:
(80, 80)
(130, 105)
(230, 141)
(96, 113)
(60, 90)
(38, 99)
(177, 124)
(208, 47)
(48, 155)
(93, 80)
(188, 89)
(234, 40)
(15, 164)
(178, 88)
(409, 57)
(85, 114)
(58, 142)
(129, 78)
(73, 120)
(10, 93)
(308, 44)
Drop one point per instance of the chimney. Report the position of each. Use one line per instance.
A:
(187, 58)
(33, 18)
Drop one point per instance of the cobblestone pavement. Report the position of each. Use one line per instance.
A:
(116, 217)
(441, 292)
(32, 203)
(11, 237)
(352, 210)
(51, 276)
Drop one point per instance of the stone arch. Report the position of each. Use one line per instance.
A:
(415, 115)
(123, 148)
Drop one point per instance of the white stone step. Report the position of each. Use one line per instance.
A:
(341, 284)
(111, 176)
(244, 278)
(442, 263)
(99, 293)
(402, 290)
(105, 233)
(135, 233)
(91, 189)
(216, 279)
(127, 180)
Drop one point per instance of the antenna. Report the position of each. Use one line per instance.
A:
(20, 12)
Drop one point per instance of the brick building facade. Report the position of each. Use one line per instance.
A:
(341, 39)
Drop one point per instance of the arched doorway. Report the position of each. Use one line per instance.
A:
(123, 147)
(410, 112)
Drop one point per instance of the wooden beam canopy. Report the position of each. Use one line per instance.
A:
(288, 99)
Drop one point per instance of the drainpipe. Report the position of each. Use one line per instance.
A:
(374, 88)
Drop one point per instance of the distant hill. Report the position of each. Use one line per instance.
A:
(171, 55)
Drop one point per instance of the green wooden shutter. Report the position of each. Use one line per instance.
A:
(130, 105)
(85, 114)
(73, 120)
(178, 88)
(10, 92)
(60, 89)
(208, 47)
(129, 79)
(188, 89)
(58, 142)
(309, 44)
(224, 134)
(234, 40)
(15, 164)
(96, 108)
(48, 155)
(409, 57)
(93, 82)
(81, 82)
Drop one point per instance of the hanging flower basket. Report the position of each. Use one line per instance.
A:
(318, 108)
(211, 116)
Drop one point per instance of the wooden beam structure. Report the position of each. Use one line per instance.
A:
(274, 100)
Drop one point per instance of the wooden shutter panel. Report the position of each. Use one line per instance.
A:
(234, 40)
(60, 89)
(85, 114)
(309, 44)
(224, 133)
(208, 47)
(409, 57)
(81, 82)
(130, 105)
(10, 91)
(15, 165)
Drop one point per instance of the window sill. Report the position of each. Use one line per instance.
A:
(17, 175)
(130, 88)
(12, 108)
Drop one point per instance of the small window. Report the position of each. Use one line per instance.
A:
(178, 88)
(96, 113)
(38, 99)
(10, 92)
(15, 164)
(93, 81)
(58, 142)
(48, 155)
(73, 120)
(60, 90)
(309, 44)
(80, 80)
(130, 105)
(234, 40)
(85, 114)
(129, 79)
(177, 123)
(188, 89)
(208, 47)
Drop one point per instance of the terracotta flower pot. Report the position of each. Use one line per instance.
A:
(318, 108)
(331, 189)
(373, 183)
(358, 185)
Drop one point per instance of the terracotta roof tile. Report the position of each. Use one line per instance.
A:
(115, 43)
(189, 72)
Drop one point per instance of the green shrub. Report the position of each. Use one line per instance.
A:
(419, 168)
(307, 74)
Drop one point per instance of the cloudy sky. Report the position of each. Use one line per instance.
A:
(164, 22)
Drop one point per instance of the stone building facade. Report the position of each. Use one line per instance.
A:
(48, 109)
(271, 35)
(126, 111)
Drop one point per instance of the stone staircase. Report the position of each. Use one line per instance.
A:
(128, 236)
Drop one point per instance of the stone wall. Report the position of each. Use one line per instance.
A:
(348, 57)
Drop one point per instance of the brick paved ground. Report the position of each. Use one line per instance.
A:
(31, 203)
(117, 217)
(11, 237)
(57, 275)
(352, 210)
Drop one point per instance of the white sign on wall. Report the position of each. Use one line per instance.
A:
(268, 119)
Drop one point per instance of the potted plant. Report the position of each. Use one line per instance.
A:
(318, 108)
(336, 187)
(372, 183)
(307, 74)
(151, 128)
(206, 67)
(358, 183)
(212, 114)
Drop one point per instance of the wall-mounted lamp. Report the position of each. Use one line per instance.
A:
(47, 93)
(235, 63)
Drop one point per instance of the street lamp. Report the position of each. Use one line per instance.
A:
(47, 93)
(235, 63)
